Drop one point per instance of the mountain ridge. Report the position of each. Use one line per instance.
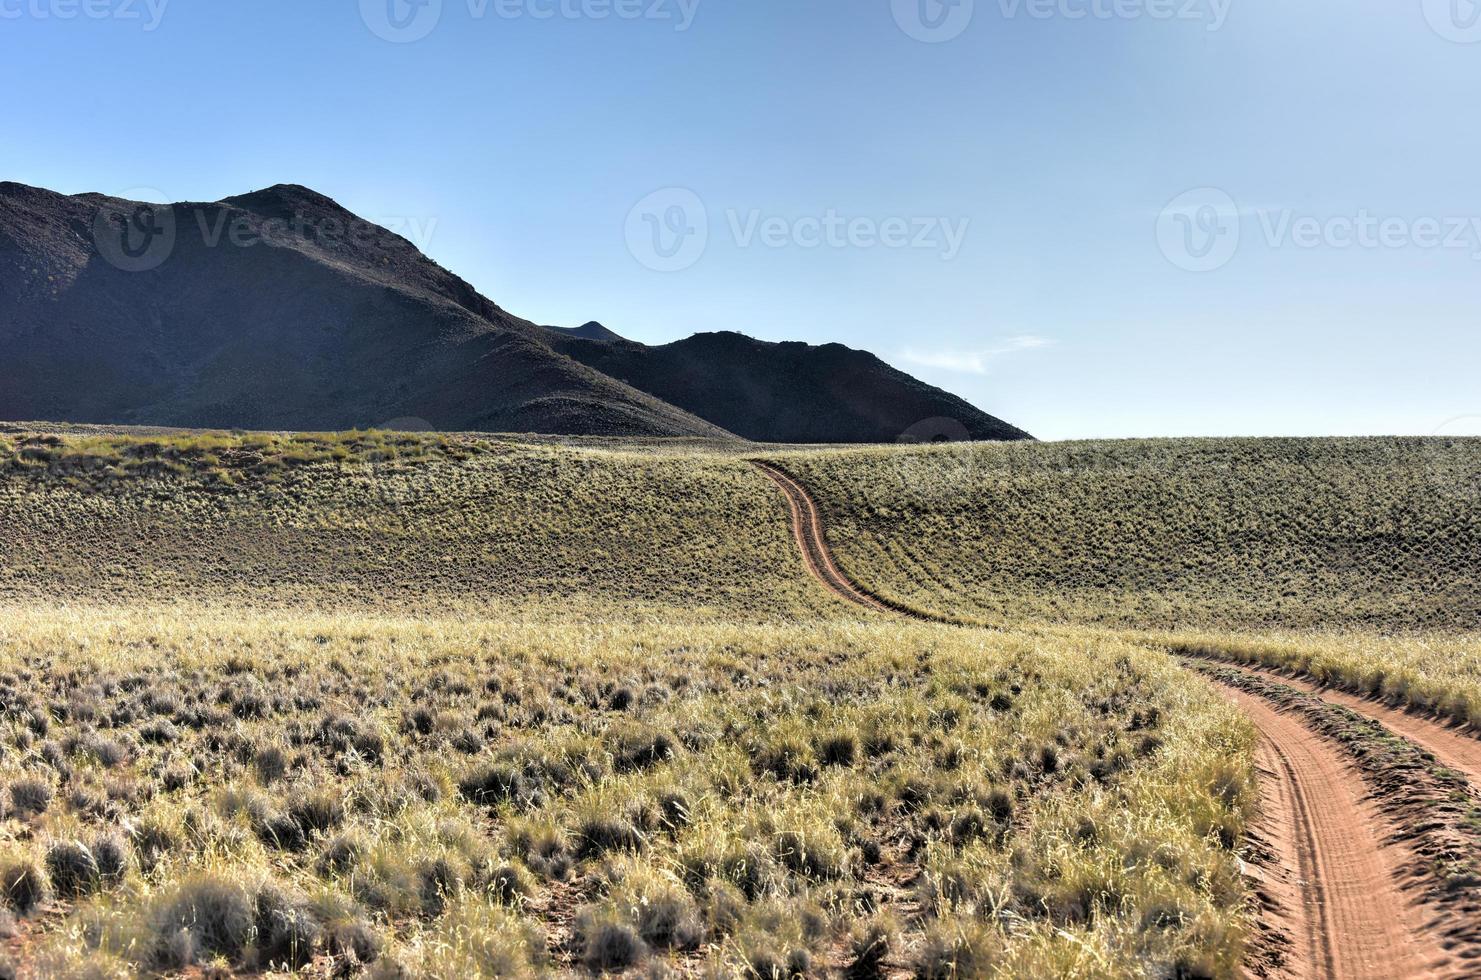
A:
(281, 309)
(358, 327)
(791, 391)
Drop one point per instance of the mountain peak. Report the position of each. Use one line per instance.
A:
(12, 190)
(284, 199)
(334, 330)
(231, 321)
(788, 391)
(590, 330)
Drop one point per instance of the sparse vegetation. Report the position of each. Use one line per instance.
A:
(395, 521)
(768, 800)
(1212, 533)
(402, 705)
(1433, 672)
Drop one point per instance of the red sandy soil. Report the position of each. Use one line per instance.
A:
(1333, 880)
(1455, 747)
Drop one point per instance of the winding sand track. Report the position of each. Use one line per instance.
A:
(1451, 745)
(1333, 888)
(807, 527)
(1334, 880)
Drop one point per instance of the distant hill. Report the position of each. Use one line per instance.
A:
(281, 310)
(1241, 534)
(326, 322)
(587, 331)
(789, 392)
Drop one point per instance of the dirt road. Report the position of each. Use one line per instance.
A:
(1454, 748)
(1334, 881)
(1333, 888)
(807, 527)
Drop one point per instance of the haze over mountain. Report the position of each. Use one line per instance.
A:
(280, 309)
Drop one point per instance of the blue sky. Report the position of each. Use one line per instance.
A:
(1008, 198)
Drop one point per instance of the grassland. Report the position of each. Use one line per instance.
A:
(1179, 534)
(1433, 673)
(435, 706)
(411, 523)
(1356, 562)
(464, 799)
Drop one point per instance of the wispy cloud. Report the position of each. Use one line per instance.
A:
(974, 361)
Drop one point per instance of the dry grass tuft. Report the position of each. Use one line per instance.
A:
(775, 801)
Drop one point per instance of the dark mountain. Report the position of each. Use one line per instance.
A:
(790, 392)
(280, 309)
(587, 331)
(273, 310)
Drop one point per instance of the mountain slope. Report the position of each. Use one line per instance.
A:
(789, 392)
(279, 310)
(273, 310)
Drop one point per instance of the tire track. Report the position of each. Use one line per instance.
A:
(1334, 889)
(1451, 746)
(807, 529)
(1334, 880)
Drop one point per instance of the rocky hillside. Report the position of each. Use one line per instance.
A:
(281, 310)
(274, 310)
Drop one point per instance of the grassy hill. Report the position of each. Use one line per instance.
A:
(419, 705)
(395, 522)
(1245, 534)
(444, 705)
